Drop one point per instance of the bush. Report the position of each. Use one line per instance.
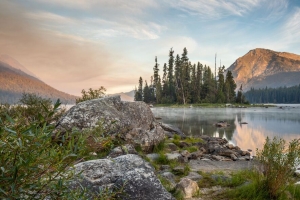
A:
(91, 94)
(33, 164)
(279, 164)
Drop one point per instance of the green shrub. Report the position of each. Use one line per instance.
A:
(91, 94)
(159, 148)
(279, 164)
(33, 163)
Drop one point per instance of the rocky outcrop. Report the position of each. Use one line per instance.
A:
(173, 130)
(132, 121)
(129, 174)
(188, 187)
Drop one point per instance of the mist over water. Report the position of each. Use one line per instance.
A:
(262, 122)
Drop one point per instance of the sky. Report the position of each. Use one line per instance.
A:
(80, 44)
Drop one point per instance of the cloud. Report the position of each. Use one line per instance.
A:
(291, 29)
(216, 9)
(56, 57)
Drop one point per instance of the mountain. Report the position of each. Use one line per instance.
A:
(125, 96)
(261, 68)
(14, 82)
(15, 64)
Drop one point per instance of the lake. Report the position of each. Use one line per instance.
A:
(262, 122)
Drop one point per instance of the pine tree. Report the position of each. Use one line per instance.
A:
(155, 74)
(147, 94)
(139, 93)
(230, 87)
(199, 81)
(165, 87)
(221, 85)
(170, 78)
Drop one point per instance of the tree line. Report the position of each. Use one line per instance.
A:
(274, 95)
(183, 82)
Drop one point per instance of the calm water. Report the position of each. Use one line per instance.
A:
(262, 122)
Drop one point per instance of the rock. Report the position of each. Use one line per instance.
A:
(174, 156)
(185, 154)
(122, 150)
(233, 157)
(183, 144)
(188, 187)
(152, 156)
(178, 170)
(218, 158)
(170, 177)
(132, 121)
(221, 124)
(227, 152)
(172, 146)
(230, 146)
(129, 171)
(172, 129)
(194, 176)
(168, 134)
(165, 167)
(205, 159)
(196, 154)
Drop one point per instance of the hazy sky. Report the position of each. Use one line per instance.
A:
(77, 44)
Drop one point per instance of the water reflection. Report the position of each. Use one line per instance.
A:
(262, 122)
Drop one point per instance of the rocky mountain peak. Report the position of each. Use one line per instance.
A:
(261, 68)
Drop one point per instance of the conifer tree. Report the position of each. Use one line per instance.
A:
(165, 88)
(230, 87)
(155, 74)
(139, 93)
(221, 85)
(199, 81)
(170, 78)
(147, 94)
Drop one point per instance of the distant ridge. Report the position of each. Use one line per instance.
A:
(125, 96)
(14, 82)
(261, 68)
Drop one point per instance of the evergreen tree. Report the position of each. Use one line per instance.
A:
(240, 98)
(147, 93)
(193, 91)
(170, 78)
(199, 81)
(178, 80)
(165, 88)
(221, 85)
(230, 87)
(139, 93)
(155, 74)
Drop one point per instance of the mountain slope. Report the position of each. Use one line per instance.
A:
(15, 82)
(261, 68)
(15, 64)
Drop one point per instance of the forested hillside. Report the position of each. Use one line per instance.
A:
(274, 95)
(183, 82)
(14, 82)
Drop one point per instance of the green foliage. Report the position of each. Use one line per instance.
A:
(36, 165)
(159, 148)
(162, 159)
(191, 149)
(91, 94)
(32, 165)
(274, 180)
(279, 163)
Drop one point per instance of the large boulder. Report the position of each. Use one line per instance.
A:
(132, 121)
(130, 172)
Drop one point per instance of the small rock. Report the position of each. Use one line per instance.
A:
(230, 146)
(188, 187)
(172, 146)
(175, 156)
(183, 144)
(168, 175)
(178, 170)
(194, 176)
(165, 167)
(152, 156)
(186, 154)
(233, 157)
(196, 154)
(218, 158)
